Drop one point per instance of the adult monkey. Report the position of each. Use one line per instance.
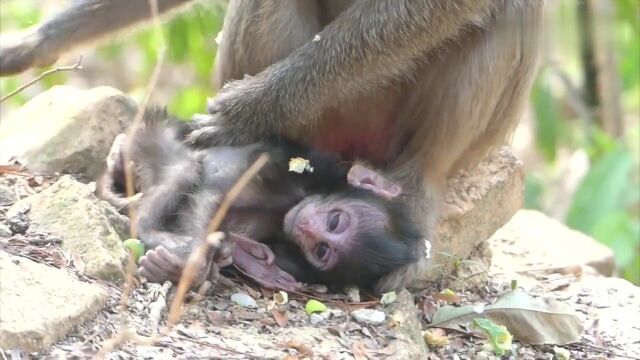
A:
(419, 88)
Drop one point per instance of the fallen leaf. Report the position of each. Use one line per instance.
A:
(359, 350)
(314, 306)
(300, 347)
(447, 295)
(436, 337)
(395, 320)
(280, 317)
(299, 165)
(280, 297)
(499, 336)
(334, 331)
(530, 320)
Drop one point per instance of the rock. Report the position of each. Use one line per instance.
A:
(612, 305)
(66, 129)
(319, 288)
(7, 195)
(18, 223)
(5, 232)
(39, 304)
(316, 319)
(90, 228)
(534, 240)
(353, 293)
(369, 316)
(408, 342)
(478, 202)
(244, 300)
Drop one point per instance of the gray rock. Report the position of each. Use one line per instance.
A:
(540, 241)
(408, 342)
(7, 195)
(90, 228)
(39, 304)
(369, 316)
(244, 300)
(18, 223)
(66, 129)
(479, 201)
(316, 319)
(5, 232)
(353, 293)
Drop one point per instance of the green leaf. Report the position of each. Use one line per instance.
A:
(621, 232)
(602, 191)
(547, 118)
(189, 101)
(499, 336)
(314, 306)
(135, 247)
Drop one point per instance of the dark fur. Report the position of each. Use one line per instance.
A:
(420, 88)
(178, 202)
(375, 255)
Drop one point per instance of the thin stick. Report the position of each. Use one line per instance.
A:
(76, 66)
(125, 332)
(162, 49)
(198, 256)
(235, 191)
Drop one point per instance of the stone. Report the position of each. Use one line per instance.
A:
(353, 293)
(18, 223)
(479, 201)
(244, 300)
(369, 316)
(39, 304)
(316, 319)
(533, 240)
(5, 232)
(90, 228)
(66, 129)
(7, 195)
(403, 320)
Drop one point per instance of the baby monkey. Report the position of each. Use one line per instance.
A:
(338, 224)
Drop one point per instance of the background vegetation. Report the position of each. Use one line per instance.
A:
(579, 139)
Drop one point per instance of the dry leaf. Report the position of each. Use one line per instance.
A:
(299, 165)
(436, 337)
(359, 350)
(281, 318)
(447, 295)
(300, 347)
(530, 320)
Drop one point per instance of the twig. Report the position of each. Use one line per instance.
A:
(162, 49)
(235, 191)
(157, 307)
(76, 66)
(216, 346)
(198, 256)
(126, 333)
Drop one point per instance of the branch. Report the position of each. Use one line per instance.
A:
(76, 66)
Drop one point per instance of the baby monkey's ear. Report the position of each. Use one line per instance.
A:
(366, 178)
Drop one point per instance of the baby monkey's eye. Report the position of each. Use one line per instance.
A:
(333, 220)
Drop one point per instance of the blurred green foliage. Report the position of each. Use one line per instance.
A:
(606, 203)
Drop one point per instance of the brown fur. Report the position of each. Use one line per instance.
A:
(417, 87)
